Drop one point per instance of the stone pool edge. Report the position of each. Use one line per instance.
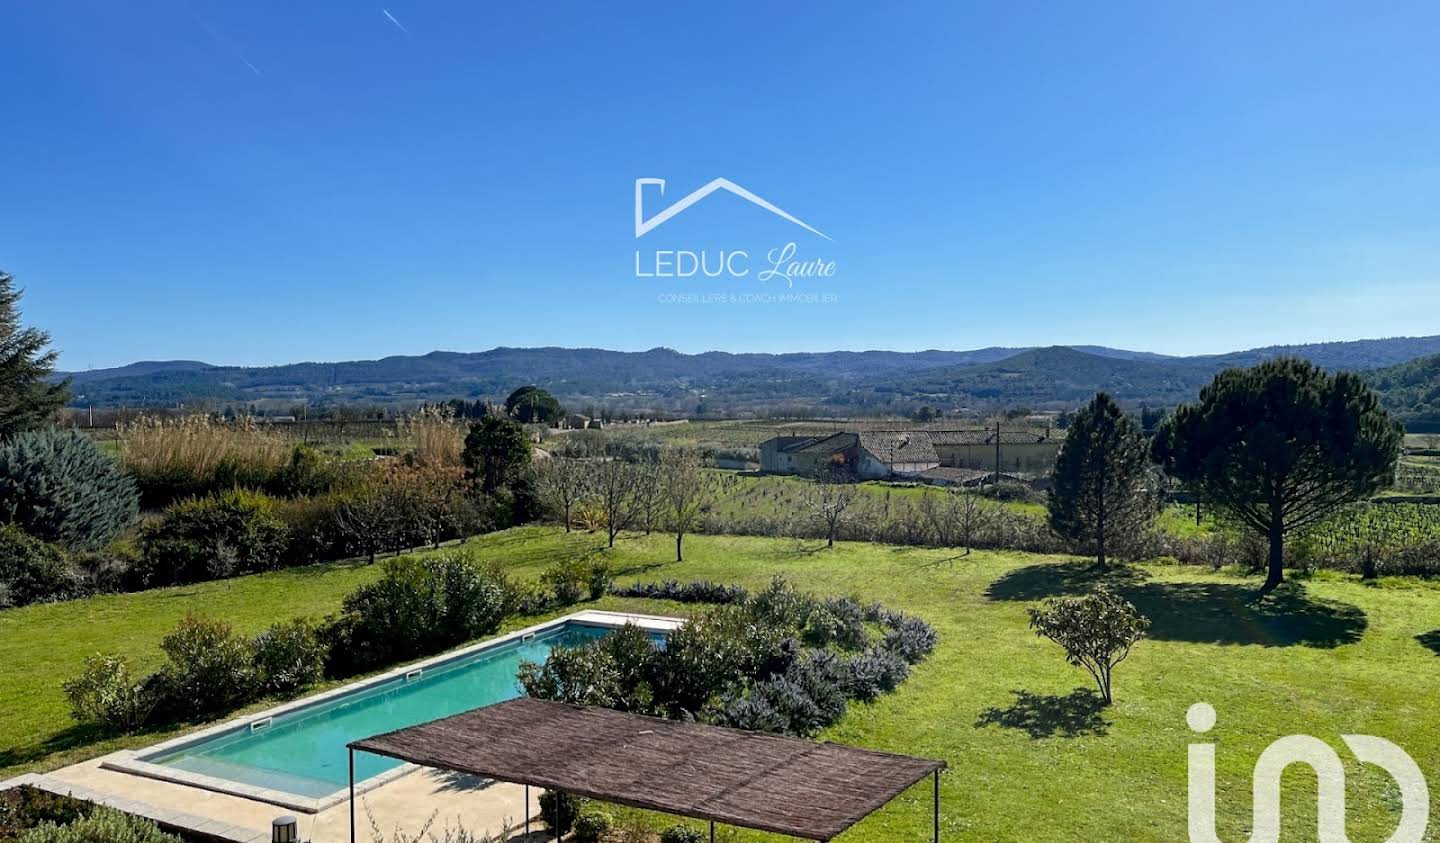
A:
(134, 761)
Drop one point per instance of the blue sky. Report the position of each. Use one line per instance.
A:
(267, 182)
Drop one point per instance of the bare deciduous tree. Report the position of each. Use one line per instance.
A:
(563, 481)
(956, 516)
(649, 500)
(367, 517)
(683, 487)
(615, 484)
(828, 500)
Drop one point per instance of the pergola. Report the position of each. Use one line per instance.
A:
(785, 785)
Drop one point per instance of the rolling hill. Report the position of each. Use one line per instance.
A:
(1044, 376)
(662, 380)
(1412, 392)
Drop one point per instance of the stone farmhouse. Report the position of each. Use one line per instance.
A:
(939, 456)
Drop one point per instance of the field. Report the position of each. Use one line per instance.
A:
(1032, 756)
(737, 495)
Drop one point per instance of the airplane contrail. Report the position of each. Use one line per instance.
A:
(386, 13)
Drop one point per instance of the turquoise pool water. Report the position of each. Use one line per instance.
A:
(303, 752)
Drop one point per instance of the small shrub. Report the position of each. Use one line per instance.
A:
(313, 529)
(1097, 632)
(453, 832)
(703, 656)
(578, 675)
(106, 693)
(635, 657)
(210, 668)
(60, 487)
(681, 834)
(874, 672)
(780, 605)
(236, 532)
(807, 698)
(598, 578)
(752, 712)
(32, 571)
(909, 638)
(838, 621)
(592, 824)
(558, 811)
(288, 656)
(104, 571)
(567, 580)
(701, 591)
(25, 807)
(102, 825)
(310, 473)
(417, 607)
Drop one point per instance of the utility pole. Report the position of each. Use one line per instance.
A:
(997, 452)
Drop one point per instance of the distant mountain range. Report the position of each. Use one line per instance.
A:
(833, 383)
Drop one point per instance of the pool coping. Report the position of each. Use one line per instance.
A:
(134, 761)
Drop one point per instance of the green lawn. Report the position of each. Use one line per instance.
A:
(1032, 757)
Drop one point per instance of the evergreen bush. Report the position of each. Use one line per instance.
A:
(60, 487)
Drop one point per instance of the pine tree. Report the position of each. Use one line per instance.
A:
(27, 399)
(1281, 446)
(1101, 485)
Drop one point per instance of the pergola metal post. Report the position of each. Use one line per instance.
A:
(712, 831)
(937, 805)
(352, 795)
(527, 812)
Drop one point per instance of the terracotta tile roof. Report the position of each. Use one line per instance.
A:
(899, 446)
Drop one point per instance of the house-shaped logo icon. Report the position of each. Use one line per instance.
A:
(644, 226)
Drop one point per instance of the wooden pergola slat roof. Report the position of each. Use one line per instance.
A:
(766, 782)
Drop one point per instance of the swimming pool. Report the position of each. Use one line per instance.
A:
(295, 755)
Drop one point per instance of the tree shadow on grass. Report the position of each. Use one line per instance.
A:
(1430, 640)
(642, 568)
(69, 738)
(1050, 715)
(1213, 613)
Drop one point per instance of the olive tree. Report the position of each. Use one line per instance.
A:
(1280, 447)
(1097, 632)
